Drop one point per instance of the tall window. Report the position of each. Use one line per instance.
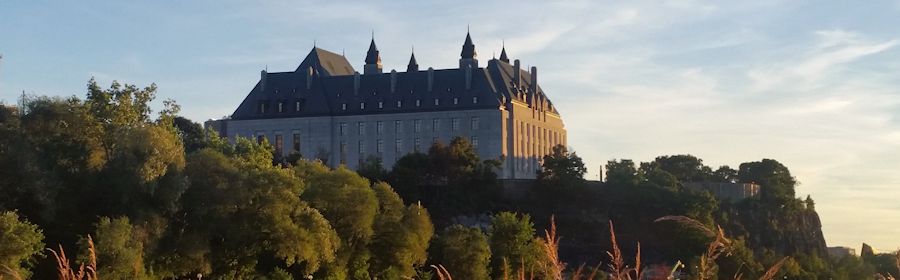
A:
(418, 144)
(474, 140)
(379, 128)
(362, 128)
(379, 147)
(475, 100)
(455, 100)
(398, 147)
(399, 103)
(343, 152)
(279, 145)
(437, 102)
(280, 107)
(475, 123)
(361, 148)
(297, 106)
(262, 107)
(362, 105)
(296, 141)
(380, 104)
(398, 126)
(454, 124)
(417, 126)
(343, 129)
(418, 102)
(435, 124)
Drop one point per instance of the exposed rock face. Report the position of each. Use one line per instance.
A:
(789, 229)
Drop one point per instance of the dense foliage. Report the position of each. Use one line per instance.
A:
(162, 198)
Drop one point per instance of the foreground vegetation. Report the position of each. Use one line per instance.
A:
(139, 197)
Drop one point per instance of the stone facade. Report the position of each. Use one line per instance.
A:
(326, 110)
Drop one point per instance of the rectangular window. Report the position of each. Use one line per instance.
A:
(262, 107)
(437, 102)
(398, 147)
(297, 106)
(279, 145)
(344, 106)
(399, 103)
(454, 124)
(379, 147)
(379, 128)
(455, 100)
(343, 129)
(362, 106)
(361, 148)
(435, 125)
(475, 100)
(380, 104)
(362, 128)
(418, 144)
(417, 126)
(296, 141)
(280, 107)
(475, 142)
(398, 126)
(475, 123)
(418, 102)
(343, 152)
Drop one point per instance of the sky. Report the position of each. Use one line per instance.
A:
(812, 84)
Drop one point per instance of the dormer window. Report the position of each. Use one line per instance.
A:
(344, 106)
(437, 102)
(261, 107)
(280, 107)
(362, 105)
(297, 106)
(418, 103)
(399, 103)
(380, 105)
(455, 100)
(475, 100)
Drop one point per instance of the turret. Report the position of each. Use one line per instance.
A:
(468, 55)
(503, 56)
(373, 60)
(413, 65)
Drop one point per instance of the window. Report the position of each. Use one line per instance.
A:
(344, 106)
(362, 128)
(417, 126)
(379, 147)
(399, 103)
(474, 140)
(297, 106)
(343, 129)
(279, 145)
(475, 123)
(455, 100)
(418, 144)
(361, 148)
(296, 141)
(475, 100)
(362, 105)
(280, 107)
(454, 124)
(379, 128)
(398, 126)
(343, 152)
(437, 102)
(262, 107)
(398, 147)
(380, 104)
(435, 124)
(418, 102)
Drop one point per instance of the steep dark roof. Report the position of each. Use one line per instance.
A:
(468, 49)
(413, 65)
(372, 56)
(326, 63)
(503, 56)
(327, 94)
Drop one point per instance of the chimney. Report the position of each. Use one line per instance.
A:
(263, 76)
(430, 78)
(516, 66)
(393, 80)
(534, 84)
(468, 77)
(309, 77)
(355, 83)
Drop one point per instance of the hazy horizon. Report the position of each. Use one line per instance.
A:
(813, 85)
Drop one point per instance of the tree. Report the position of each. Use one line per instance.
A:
(622, 172)
(775, 180)
(686, 168)
(120, 255)
(725, 174)
(512, 245)
(464, 252)
(401, 236)
(562, 167)
(21, 244)
(191, 133)
(372, 169)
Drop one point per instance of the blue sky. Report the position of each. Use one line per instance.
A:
(813, 84)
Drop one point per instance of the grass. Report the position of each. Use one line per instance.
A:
(84, 272)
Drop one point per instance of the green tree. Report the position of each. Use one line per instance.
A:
(21, 243)
(562, 167)
(464, 252)
(512, 245)
(622, 173)
(685, 168)
(120, 255)
(775, 180)
(192, 134)
(401, 236)
(372, 169)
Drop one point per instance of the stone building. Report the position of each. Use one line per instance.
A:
(325, 109)
(726, 190)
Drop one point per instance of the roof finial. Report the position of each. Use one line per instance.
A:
(503, 56)
(314, 42)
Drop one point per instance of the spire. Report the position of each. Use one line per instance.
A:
(413, 65)
(373, 59)
(503, 56)
(468, 49)
(468, 55)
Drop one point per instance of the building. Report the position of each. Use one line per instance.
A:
(841, 252)
(726, 190)
(326, 109)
